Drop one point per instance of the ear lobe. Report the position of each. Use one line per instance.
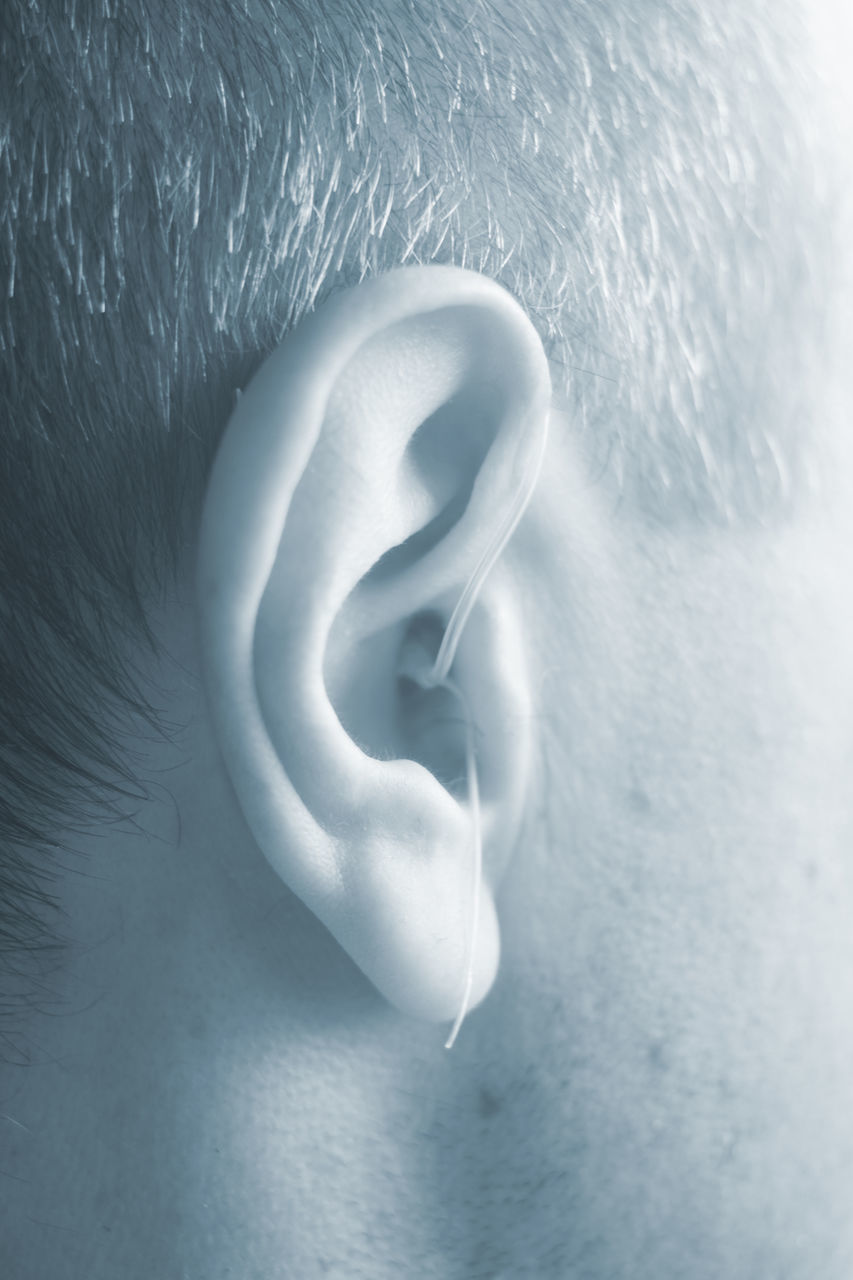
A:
(357, 487)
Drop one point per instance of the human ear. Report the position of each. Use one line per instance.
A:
(358, 487)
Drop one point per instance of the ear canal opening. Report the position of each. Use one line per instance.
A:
(392, 716)
(430, 723)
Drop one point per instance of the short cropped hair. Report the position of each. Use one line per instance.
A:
(182, 182)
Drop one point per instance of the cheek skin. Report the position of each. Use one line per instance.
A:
(682, 909)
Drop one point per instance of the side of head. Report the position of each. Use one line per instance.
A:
(632, 213)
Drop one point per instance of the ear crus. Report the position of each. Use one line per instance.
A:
(369, 478)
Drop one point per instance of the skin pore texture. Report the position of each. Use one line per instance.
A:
(658, 1083)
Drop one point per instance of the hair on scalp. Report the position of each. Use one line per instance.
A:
(182, 182)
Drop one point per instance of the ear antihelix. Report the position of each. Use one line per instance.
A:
(301, 781)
